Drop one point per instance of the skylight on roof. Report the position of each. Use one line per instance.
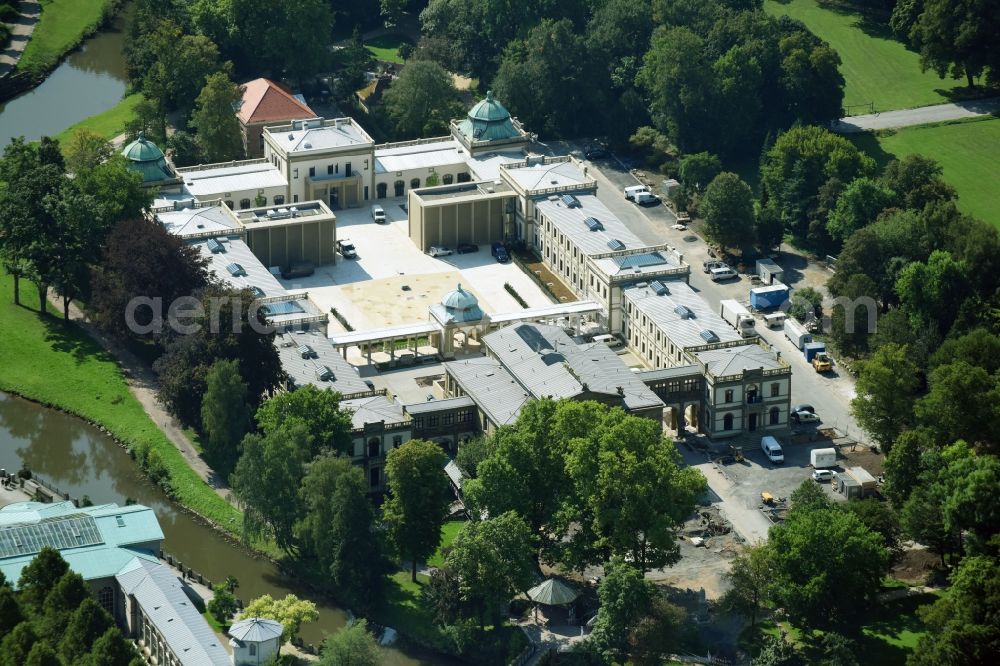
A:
(593, 224)
(235, 270)
(570, 201)
(214, 246)
(684, 312)
(709, 336)
(659, 288)
(616, 244)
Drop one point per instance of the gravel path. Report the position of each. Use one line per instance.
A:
(21, 29)
(920, 116)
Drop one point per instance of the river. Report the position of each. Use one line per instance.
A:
(89, 81)
(80, 460)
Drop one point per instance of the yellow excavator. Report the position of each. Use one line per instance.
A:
(822, 363)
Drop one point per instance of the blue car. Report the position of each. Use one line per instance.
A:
(500, 253)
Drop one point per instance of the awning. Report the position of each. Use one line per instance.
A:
(553, 592)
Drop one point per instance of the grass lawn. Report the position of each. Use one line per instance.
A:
(886, 637)
(57, 364)
(969, 152)
(62, 25)
(448, 534)
(108, 124)
(876, 67)
(402, 609)
(386, 47)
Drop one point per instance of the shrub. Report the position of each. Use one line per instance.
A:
(517, 297)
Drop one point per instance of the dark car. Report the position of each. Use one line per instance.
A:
(467, 248)
(596, 152)
(500, 253)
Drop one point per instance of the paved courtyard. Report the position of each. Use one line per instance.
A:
(392, 283)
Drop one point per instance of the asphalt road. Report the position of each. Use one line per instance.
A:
(920, 116)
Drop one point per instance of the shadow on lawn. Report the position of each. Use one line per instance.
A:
(68, 338)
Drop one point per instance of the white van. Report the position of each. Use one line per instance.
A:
(723, 273)
(772, 449)
(612, 341)
(378, 214)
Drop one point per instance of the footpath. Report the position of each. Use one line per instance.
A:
(20, 33)
(143, 385)
(924, 115)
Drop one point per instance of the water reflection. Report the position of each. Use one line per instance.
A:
(80, 460)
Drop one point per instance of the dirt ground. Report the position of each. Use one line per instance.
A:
(916, 566)
(701, 568)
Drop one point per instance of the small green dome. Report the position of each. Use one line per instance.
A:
(145, 158)
(488, 120)
(462, 306)
(489, 110)
(142, 150)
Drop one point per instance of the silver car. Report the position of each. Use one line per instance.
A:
(439, 251)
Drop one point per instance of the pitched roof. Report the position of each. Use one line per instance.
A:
(256, 630)
(265, 101)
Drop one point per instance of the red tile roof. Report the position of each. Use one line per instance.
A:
(265, 101)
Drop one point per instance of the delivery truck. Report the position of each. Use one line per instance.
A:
(823, 458)
(738, 317)
(767, 298)
(797, 333)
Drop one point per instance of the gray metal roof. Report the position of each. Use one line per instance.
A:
(493, 389)
(198, 221)
(571, 221)
(547, 362)
(373, 409)
(319, 135)
(163, 600)
(677, 372)
(238, 252)
(217, 181)
(735, 360)
(543, 176)
(432, 406)
(256, 630)
(661, 310)
(310, 370)
(442, 153)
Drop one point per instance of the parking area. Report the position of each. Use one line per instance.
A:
(393, 283)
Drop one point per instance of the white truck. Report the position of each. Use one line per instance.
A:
(738, 317)
(797, 333)
(640, 194)
(823, 458)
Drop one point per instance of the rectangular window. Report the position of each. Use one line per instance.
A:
(295, 198)
(312, 172)
(449, 419)
(729, 395)
(375, 477)
(432, 421)
(418, 422)
(775, 390)
(396, 441)
(347, 170)
(295, 173)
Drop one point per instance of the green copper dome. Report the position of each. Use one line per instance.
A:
(488, 121)
(146, 159)
(462, 306)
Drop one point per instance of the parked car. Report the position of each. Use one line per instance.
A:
(821, 475)
(713, 263)
(439, 251)
(804, 417)
(467, 248)
(500, 253)
(346, 249)
(596, 152)
(679, 227)
(378, 214)
(299, 269)
(723, 273)
(804, 407)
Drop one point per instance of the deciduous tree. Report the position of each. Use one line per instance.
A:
(319, 409)
(750, 577)
(85, 149)
(218, 129)
(858, 206)
(625, 598)
(353, 645)
(957, 38)
(225, 414)
(886, 391)
(728, 210)
(290, 611)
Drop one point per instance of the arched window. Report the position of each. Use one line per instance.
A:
(279, 199)
(106, 597)
(244, 203)
(727, 422)
(415, 183)
(464, 177)
(447, 179)
(399, 186)
(774, 416)
(374, 447)
(229, 204)
(380, 190)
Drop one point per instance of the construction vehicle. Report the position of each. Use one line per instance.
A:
(822, 363)
(737, 452)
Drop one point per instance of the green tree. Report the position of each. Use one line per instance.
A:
(471, 453)
(625, 598)
(728, 210)
(886, 392)
(933, 292)
(417, 504)
(65, 597)
(225, 415)
(882, 519)
(776, 651)
(353, 645)
(922, 519)
(961, 624)
(87, 623)
(657, 634)
(917, 181)
(838, 650)
(819, 585)
(218, 129)
(16, 646)
(318, 409)
(39, 577)
(809, 496)
(956, 38)
(699, 169)
(750, 578)
(492, 560)
(118, 194)
(10, 610)
(266, 482)
(420, 101)
(850, 329)
(960, 404)
(42, 654)
(85, 149)
(338, 529)
(903, 464)
(806, 304)
(290, 611)
(222, 605)
(112, 649)
(859, 205)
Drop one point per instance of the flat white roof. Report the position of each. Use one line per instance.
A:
(319, 135)
(446, 152)
(730, 361)
(669, 313)
(197, 221)
(571, 221)
(376, 334)
(547, 311)
(542, 176)
(487, 167)
(239, 177)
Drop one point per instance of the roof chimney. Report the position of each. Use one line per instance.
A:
(621, 391)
